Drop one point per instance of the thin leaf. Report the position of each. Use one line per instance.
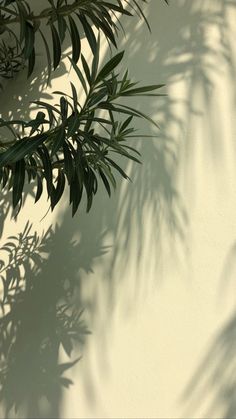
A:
(75, 39)
(110, 66)
(56, 46)
(80, 75)
(18, 181)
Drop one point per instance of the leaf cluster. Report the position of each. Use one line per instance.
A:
(30, 370)
(75, 143)
(69, 143)
(75, 18)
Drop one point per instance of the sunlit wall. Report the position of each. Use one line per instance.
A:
(153, 268)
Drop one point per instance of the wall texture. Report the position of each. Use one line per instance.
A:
(153, 267)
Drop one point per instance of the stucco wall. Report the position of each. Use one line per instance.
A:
(154, 266)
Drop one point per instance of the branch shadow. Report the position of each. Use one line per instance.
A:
(41, 318)
(44, 308)
(149, 216)
(212, 388)
(151, 210)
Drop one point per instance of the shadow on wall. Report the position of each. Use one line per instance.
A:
(44, 284)
(143, 214)
(180, 51)
(211, 393)
(41, 317)
(212, 389)
(189, 46)
(191, 56)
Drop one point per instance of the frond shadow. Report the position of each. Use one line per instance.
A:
(212, 388)
(42, 327)
(145, 217)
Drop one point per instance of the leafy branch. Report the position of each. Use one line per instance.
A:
(75, 143)
(63, 18)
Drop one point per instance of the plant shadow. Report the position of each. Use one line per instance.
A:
(42, 310)
(149, 217)
(42, 321)
(211, 390)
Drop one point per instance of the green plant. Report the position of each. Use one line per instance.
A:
(10, 60)
(71, 143)
(63, 18)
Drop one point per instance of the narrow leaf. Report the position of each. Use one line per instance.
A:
(18, 181)
(56, 46)
(75, 39)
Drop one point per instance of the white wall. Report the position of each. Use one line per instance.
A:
(154, 266)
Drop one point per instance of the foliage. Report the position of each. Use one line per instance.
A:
(72, 140)
(10, 60)
(70, 143)
(63, 18)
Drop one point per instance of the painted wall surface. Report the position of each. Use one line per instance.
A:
(154, 267)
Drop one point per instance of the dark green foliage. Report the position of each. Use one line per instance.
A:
(73, 143)
(64, 18)
(11, 59)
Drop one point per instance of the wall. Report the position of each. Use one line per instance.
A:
(154, 266)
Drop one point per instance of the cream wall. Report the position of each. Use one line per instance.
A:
(154, 266)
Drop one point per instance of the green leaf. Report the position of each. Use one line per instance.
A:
(68, 162)
(142, 14)
(49, 68)
(58, 191)
(76, 192)
(105, 182)
(5, 176)
(22, 15)
(39, 188)
(56, 46)
(140, 114)
(139, 90)
(31, 63)
(64, 107)
(88, 33)
(80, 75)
(20, 149)
(105, 168)
(75, 39)
(90, 183)
(126, 123)
(61, 23)
(105, 27)
(86, 69)
(95, 61)
(29, 40)
(18, 181)
(74, 95)
(73, 124)
(117, 167)
(58, 140)
(110, 66)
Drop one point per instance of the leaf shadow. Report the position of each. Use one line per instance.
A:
(42, 326)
